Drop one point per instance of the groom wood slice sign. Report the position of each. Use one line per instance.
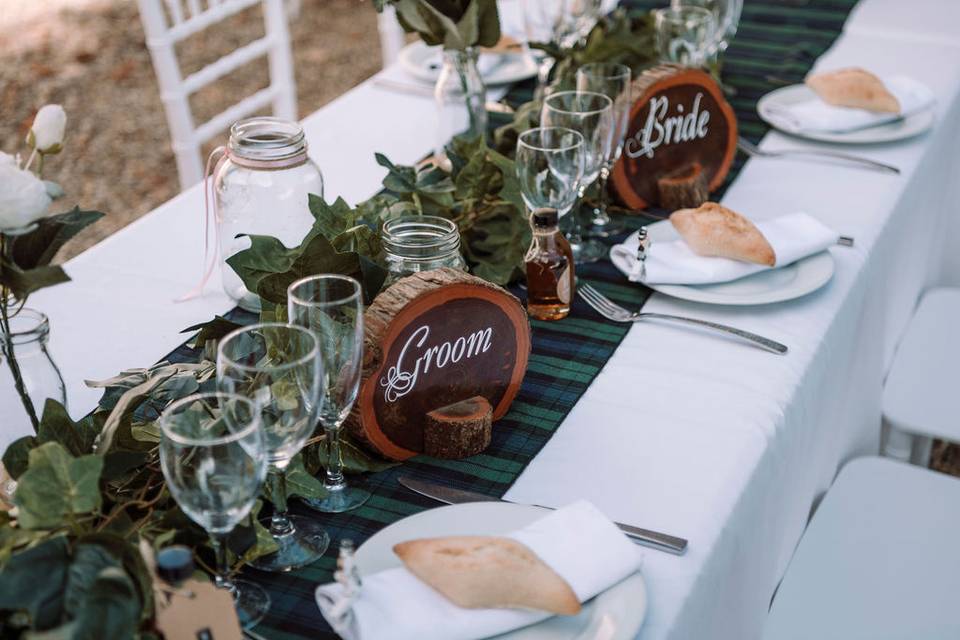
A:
(444, 355)
(680, 141)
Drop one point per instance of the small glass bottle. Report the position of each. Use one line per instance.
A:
(550, 275)
(417, 243)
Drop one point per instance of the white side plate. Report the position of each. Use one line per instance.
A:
(908, 127)
(423, 63)
(615, 614)
(786, 283)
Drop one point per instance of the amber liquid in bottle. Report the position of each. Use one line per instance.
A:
(550, 276)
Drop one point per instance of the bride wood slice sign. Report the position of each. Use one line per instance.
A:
(680, 142)
(444, 355)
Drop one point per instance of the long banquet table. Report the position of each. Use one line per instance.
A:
(726, 445)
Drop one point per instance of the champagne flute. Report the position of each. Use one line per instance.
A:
(591, 114)
(613, 81)
(213, 459)
(549, 167)
(279, 367)
(331, 306)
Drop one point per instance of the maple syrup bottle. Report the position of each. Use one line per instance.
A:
(550, 277)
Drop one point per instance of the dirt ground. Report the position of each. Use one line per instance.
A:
(90, 56)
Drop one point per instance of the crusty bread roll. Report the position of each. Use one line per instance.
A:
(485, 572)
(854, 87)
(714, 230)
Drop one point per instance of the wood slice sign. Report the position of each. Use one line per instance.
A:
(444, 355)
(682, 134)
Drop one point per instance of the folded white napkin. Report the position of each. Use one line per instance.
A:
(577, 541)
(817, 115)
(793, 236)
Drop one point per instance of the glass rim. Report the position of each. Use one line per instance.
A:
(247, 138)
(539, 147)
(607, 105)
(227, 439)
(37, 326)
(675, 13)
(446, 234)
(312, 354)
(353, 282)
(623, 71)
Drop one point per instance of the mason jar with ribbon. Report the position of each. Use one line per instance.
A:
(260, 185)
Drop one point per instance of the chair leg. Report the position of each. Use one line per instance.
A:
(899, 445)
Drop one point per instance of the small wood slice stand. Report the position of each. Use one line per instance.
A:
(444, 355)
(680, 141)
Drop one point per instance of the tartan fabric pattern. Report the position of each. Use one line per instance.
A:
(776, 44)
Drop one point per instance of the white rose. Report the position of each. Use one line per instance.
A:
(23, 197)
(49, 125)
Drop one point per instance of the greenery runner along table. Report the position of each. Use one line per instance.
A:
(776, 44)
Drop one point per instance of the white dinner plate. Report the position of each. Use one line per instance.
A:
(423, 63)
(615, 614)
(775, 285)
(901, 129)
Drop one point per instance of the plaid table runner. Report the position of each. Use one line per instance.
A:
(776, 44)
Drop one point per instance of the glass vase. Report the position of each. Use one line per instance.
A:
(29, 377)
(461, 99)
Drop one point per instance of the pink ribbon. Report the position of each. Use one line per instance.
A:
(223, 154)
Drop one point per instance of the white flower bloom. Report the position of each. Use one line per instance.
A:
(23, 197)
(49, 125)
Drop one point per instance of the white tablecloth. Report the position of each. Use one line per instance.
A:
(726, 445)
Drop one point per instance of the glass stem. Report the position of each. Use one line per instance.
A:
(600, 216)
(334, 480)
(222, 579)
(575, 233)
(8, 347)
(280, 524)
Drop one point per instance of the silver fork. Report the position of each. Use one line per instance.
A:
(612, 311)
(753, 150)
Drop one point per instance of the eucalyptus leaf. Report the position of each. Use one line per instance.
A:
(57, 487)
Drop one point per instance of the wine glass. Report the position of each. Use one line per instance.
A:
(613, 81)
(549, 167)
(278, 366)
(331, 306)
(591, 114)
(684, 35)
(213, 459)
(726, 16)
(562, 23)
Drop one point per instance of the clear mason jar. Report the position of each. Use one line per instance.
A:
(262, 188)
(461, 98)
(420, 243)
(37, 374)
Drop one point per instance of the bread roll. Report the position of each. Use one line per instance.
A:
(486, 572)
(714, 230)
(854, 87)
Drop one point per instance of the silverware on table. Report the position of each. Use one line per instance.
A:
(449, 495)
(753, 150)
(427, 92)
(612, 311)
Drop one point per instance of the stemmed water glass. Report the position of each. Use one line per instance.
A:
(549, 167)
(591, 114)
(213, 459)
(726, 16)
(613, 81)
(560, 22)
(331, 306)
(279, 367)
(684, 35)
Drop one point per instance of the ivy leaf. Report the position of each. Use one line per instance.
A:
(17, 456)
(88, 561)
(356, 460)
(40, 246)
(33, 581)
(56, 486)
(301, 483)
(55, 426)
(111, 608)
(23, 282)
(332, 219)
(211, 331)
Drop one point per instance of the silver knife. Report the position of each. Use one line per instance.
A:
(449, 495)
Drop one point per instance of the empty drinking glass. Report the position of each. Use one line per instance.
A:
(685, 34)
(726, 16)
(549, 167)
(331, 306)
(213, 459)
(591, 114)
(613, 81)
(279, 367)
